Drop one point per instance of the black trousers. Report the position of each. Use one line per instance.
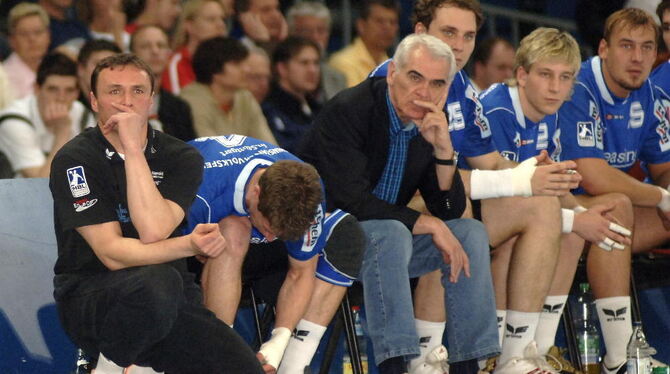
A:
(152, 316)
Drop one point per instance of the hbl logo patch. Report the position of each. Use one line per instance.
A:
(585, 134)
(77, 180)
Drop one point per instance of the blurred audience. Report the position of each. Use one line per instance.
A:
(377, 28)
(259, 73)
(66, 29)
(492, 62)
(37, 126)
(200, 20)
(311, 20)
(29, 38)
(219, 99)
(169, 113)
(262, 23)
(105, 20)
(288, 108)
(161, 13)
(6, 94)
(91, 53)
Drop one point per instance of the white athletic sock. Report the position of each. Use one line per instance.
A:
(301, 347)
(615, 323)
(430, 336)
(501, 314)
(549, 319)
(519, 332)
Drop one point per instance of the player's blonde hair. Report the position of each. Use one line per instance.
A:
(546, 44)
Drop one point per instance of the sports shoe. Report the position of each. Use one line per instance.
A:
(530, 363)
(621, 369)
(435, 362)
(556, 358)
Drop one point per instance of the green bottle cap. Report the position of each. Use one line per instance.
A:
(584, 287)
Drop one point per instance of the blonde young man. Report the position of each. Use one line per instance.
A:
(612, 121)
(523, 120)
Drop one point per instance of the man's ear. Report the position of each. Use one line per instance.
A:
(420, 28)
(93, 101)
(521, 76)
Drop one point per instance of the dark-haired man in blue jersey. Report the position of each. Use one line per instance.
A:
(612, 121)
(531, 225)
(258, 192)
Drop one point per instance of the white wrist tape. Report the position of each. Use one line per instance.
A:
(664, 204)
(568, 218)
(579, 209)
(273, 349)
(489, 184)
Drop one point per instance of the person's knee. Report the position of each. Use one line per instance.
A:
(158, 288)
(623, 207)
(346, 245)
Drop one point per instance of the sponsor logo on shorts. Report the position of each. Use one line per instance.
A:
(77, 180)
(586, 134)
(83, 204)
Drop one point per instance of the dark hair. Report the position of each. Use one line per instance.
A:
(123, 59)
(484, 49)
(662, 7)
(212, 54)
(364, 6)
(290, 47)
(424, 10)
(133, 8)
(55, 64)
(96, 45)
(290, 193)
(241, 6)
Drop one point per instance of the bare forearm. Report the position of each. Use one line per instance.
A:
(127, 252)
(150, 212)
(293, 298)
(641, 194)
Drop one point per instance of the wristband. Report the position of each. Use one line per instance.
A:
(449, 162)
(273, 349)
(489, 184)
(579, 209)
(568, 218)
(664, 204)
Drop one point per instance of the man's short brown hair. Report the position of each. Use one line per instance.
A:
(119, 60)
(424, 10)
(629, 18)
(290, 192)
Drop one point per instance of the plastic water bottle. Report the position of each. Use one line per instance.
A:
(639, 352)
(588, 337)
(360, 340)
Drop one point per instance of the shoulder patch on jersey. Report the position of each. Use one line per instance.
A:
(585, 134)
(509, 156)
(77, 180)
(663, 127)
(313, 231)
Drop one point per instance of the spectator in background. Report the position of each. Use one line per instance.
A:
(105, 20)
(200, 20)
(161, 13)
(492, 62)
(66, 29)
(377, 28)
(37, 126)
(311, 20)
(6, 94)
(262, 22)
(259, 73)
(219, 100)
(29, 38)
(288, 108)
(91, 53)
(168, 113)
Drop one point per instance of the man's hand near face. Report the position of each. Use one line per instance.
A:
(435, 128)
(130, 127)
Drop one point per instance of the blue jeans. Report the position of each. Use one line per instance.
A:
(393, 256)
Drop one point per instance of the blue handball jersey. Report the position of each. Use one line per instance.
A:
(230, 161)
(469, 136)
(516, 137)
(596, 124)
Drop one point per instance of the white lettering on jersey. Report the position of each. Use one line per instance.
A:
(542, 136)
(636, 115)
(585, 135)
(313, 231)
(229, 141)
(456, 121)
(663, 128)
(480, 119)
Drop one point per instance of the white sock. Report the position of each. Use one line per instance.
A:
(301, 347)
(430, 336)
(549, 320)
(519, 332)
(615, 323)
(501, 314)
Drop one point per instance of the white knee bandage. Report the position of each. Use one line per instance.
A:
(273, 349)
(489, 184)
